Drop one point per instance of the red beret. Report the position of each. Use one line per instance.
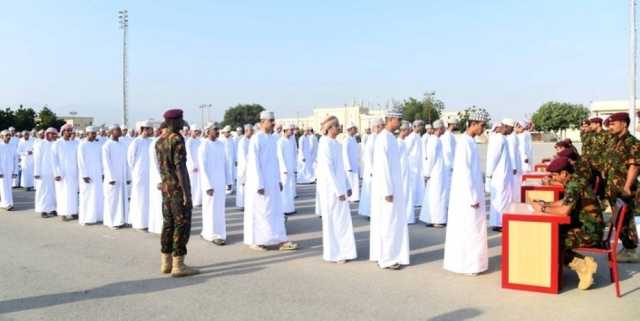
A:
(172, 114)
(620, 117)
(564, 143)
(568, 153)
(596, 120)
(559, 164)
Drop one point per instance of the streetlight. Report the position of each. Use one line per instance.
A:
(204, 109)
(632, 71)
(123, 19)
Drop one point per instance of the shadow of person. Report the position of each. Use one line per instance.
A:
(457, 315)
(117, 289)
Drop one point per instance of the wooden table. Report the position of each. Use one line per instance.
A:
(534, 176)
(540, 167)
(531, 191)
(531, 251)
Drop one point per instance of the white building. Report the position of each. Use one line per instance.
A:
(361, 116)
(606, 108)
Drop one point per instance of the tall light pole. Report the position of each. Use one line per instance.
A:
(123, 18)
(204, 110)
(632, 76)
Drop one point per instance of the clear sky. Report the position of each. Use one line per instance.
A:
(290, 56)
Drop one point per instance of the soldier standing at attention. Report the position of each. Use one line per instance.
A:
(171, 154)
(622, 164)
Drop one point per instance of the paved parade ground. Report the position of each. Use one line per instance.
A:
(54, 270)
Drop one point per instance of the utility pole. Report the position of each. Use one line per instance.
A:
(632, 76)
(204, 113)
(123, 18)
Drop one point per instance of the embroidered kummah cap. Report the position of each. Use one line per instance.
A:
(624, 117)
(427, 126)
(377, 122)
(90, 129)
(266, 114)
(522, 123)
(596, 120)
(4, 132)
(479, 115)
(418, 122)
(114, 126)
(394, 111)
(172, 113)
(226, 129)
(194, 127)
(508, 122)
(559, 164)
(291, 126)
(405, 125)
(351, 125)
(438, 124)
(51, 130)
(248, 126)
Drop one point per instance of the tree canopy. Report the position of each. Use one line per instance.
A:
(242, 114)
(26, 118)
(558, 116)
(428, 108)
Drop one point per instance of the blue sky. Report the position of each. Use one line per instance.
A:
(508, 56)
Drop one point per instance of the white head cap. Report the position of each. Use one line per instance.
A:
(377, 122)
(114, 126)
(438, 124)
(4, 132)
(522, 123)
(291, 126)
(394, 111)
(90, 129)
(194, 127)
(248, 126)
(226, 129)
(267, 115)
(427, 126)
(144, 123)
(351, 125)
(405, 125)
(508, 122)
(418, 122)
(51, 130)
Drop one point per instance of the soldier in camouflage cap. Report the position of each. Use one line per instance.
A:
(587, 225)
(621, 166)
(171, 155)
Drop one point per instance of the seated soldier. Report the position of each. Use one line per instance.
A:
(587, 224)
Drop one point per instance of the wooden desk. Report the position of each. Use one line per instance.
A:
(541, 167)
(531, 252)
(533, 191)
(534, 176)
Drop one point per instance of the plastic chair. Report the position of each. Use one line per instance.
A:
(610, 247)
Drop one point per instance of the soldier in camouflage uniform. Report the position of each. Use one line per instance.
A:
(176, 196)
(587, 224)
(621, 158)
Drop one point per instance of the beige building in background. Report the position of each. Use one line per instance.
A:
(606, 108)
(78, 121)
(360, 115)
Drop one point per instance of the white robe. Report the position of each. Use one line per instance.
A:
(65, 165)
(516, 163)
(448, 151)
(415, 156)
(306, 159)
(351, 160)
(465, 247)
(91, 195)
(364, 208)
(501, 181)
(45, 198)
(294, 147)
(389, 240)
(287, 164)
(263, 215)
(138, 161)
(155, 194)
(338, 241)
(230, 154)
(25, 152)
(192, 146)
(525, 145)
(243, 149)
(213, 176)
(114, 165)
(408, 185)
(434, 209)
(8, 168)
(15, 142)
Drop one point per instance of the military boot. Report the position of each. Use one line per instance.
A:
(165, 264)
(179, 269)
(585, 268)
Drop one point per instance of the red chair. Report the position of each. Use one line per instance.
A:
(610, 247)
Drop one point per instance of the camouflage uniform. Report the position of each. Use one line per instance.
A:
(622, 152)
(172, 158)
(594, 153)
(587, 224)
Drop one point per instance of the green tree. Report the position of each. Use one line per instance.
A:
(463, 116)
(242, 114)
(559, 116)
(427, 109)
(47, 118)
(7, 118)
(25, 118)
